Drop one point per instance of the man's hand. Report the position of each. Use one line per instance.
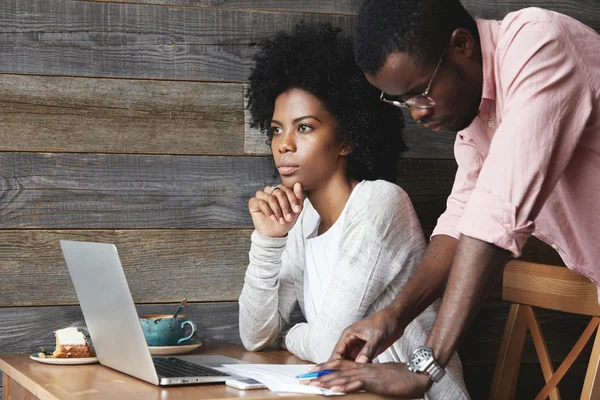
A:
(387, 379)
(366, 339)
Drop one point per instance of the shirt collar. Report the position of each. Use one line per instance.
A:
(488, 36)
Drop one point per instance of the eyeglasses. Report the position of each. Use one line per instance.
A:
(420, 101)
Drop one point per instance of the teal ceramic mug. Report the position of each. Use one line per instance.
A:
(164, 330)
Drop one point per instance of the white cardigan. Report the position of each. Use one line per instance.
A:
(381, 246)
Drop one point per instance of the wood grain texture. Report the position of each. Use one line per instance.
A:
(113, 191)
(64, 114)
(60, 114)
(509, 357)
(170, 42)
(161, 266)
(429, 209)
(79, 38)
(591, 384)
(128, 191)
(586, 11)
(309, 6)
(541, 349)
(423, 177)
(550, 287)
(569, 360)
(100, 382)
(15, 391)
(28, 329)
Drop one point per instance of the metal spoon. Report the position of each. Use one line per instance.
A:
(180, 308)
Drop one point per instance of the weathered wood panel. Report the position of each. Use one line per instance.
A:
(309, 6)
(160, 265)
(428, 209)
(586, 11)
(126, 191)
(79, 38)
(421, 142)
(92, 115)
(150, 41)
(59, 114)
(426, 177)
(27, 329)
(66, 191)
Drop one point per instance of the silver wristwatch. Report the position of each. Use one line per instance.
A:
(422, 361)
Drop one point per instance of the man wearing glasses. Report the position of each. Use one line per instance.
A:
(523, 96)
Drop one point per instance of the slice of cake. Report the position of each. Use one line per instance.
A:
(70, 343)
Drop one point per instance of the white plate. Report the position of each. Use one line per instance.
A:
(171, 350)
(64, 361)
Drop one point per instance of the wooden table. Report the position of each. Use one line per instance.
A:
(28, 379)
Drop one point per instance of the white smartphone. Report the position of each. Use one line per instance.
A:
(245, 384)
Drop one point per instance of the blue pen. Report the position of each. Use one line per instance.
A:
(315, 374)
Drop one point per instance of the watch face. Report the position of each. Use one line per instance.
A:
(419, 357)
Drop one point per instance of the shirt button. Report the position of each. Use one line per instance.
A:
(492, 123)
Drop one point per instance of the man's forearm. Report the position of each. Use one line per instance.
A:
(428, 282)
(476, 267)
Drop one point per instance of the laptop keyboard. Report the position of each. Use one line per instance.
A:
(174, 367)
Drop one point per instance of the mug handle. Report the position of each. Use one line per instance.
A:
(194, 329)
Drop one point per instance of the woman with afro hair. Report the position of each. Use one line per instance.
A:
(336, 237)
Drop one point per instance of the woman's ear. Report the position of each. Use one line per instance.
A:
(346, 149)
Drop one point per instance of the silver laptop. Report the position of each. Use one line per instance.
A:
(113, 321)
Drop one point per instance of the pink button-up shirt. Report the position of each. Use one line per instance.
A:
(530, 162)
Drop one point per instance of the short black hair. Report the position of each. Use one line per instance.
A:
(316, 58)
(420, 28)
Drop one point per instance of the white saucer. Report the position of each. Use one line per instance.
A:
(186, 347)
(64, 361)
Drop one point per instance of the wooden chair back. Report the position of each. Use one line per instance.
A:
(556, 288)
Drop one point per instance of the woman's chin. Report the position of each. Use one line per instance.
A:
(289, 181)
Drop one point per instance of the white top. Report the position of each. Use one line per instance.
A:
(381, 245)
(322, 253)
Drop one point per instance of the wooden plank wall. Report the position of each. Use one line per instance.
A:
(123, 121)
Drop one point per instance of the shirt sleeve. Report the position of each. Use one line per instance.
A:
(379, 243)
(268, 296)
(470, 161)
(547, 103)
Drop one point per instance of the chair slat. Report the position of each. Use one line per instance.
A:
(504, 382)
(551, 287)
(591, 385)
(541, 349)
(569, 360)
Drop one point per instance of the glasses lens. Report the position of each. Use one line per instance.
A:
(420, 102)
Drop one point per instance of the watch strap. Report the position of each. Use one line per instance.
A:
(435, 372)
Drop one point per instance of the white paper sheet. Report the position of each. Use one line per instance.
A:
(279, 378)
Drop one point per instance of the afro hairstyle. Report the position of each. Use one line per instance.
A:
(316, 58)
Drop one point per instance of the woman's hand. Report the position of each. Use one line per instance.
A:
(274, 213)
